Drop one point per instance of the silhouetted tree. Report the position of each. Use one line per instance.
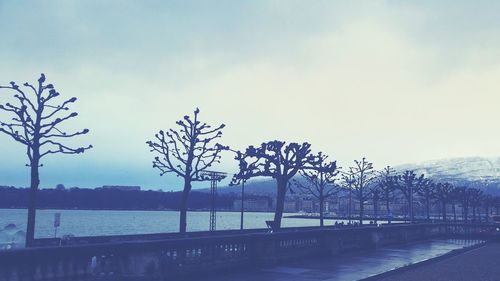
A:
(347, 183)
(488, 202)
(408, 184)
(277, 160)
(36, 124)
(455, 198)
(319, 182)
(187, 152)
(375, 197)
(426, 189)
(363, 173)
(462, 195)
(386, 183)
(444, 194)
(475, 197)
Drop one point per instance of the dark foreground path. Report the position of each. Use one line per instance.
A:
(481, 264)
(353, 266)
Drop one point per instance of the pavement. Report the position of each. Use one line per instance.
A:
(360, 265)
(480, 264)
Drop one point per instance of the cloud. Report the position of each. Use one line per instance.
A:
(394, 81)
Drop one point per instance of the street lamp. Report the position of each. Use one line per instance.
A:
(242, 203)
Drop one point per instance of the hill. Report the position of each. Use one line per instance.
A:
(256, 187)
(472, 171)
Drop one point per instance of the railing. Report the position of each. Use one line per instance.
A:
(169, 259)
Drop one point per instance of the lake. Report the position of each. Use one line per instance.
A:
(102, 222)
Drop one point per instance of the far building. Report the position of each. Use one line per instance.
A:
(290, 206)
(122, 187)
(257, 204)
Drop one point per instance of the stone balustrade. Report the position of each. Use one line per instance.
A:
(170, 258)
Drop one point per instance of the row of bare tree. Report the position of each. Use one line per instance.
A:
(362, 184)
(386, 185)
(191, 149)
(33, 117)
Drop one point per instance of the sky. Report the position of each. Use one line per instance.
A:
(394, 81)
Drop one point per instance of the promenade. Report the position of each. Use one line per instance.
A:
(291, 254)
(356, 266)
(481, 264)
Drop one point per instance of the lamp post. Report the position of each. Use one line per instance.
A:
(242, 203)
(350, 200)
(411, 203)
(348, 181)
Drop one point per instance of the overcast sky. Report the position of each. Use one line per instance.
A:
(395, 81)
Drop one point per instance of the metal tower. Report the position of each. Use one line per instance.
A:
(214, 177)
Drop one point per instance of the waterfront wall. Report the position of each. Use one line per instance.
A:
(170, 259)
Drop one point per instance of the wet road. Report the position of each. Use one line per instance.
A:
(479, 264)
(350, 266)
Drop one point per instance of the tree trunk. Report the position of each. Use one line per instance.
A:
(465, 211)
(428, 207)
(350, 208)
(35, 182)
(454, 212)
(321, 215)
(361, 207)
(444, 210)
(408, 207)
(280, 203)
(387, 208)
(411, 206)
(183, 206)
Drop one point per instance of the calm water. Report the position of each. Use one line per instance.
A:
(93, 223)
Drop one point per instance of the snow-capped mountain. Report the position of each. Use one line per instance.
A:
(479, 172)
(460, 170)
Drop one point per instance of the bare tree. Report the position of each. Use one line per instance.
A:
(426, 189)
(455, 199)
(36, 123)
(444, 195)
(462, 196)
(488, 203)
(319, 182)
(347, 183)
(386, 184)
(277, 160)
(475, 196)
(376, 198)
(187, 151)
(363, 173)
(408, 184)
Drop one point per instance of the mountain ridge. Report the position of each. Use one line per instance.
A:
(477, 171)
(484, 169)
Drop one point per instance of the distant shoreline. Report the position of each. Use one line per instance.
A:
(316, 217)
(151, 210)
